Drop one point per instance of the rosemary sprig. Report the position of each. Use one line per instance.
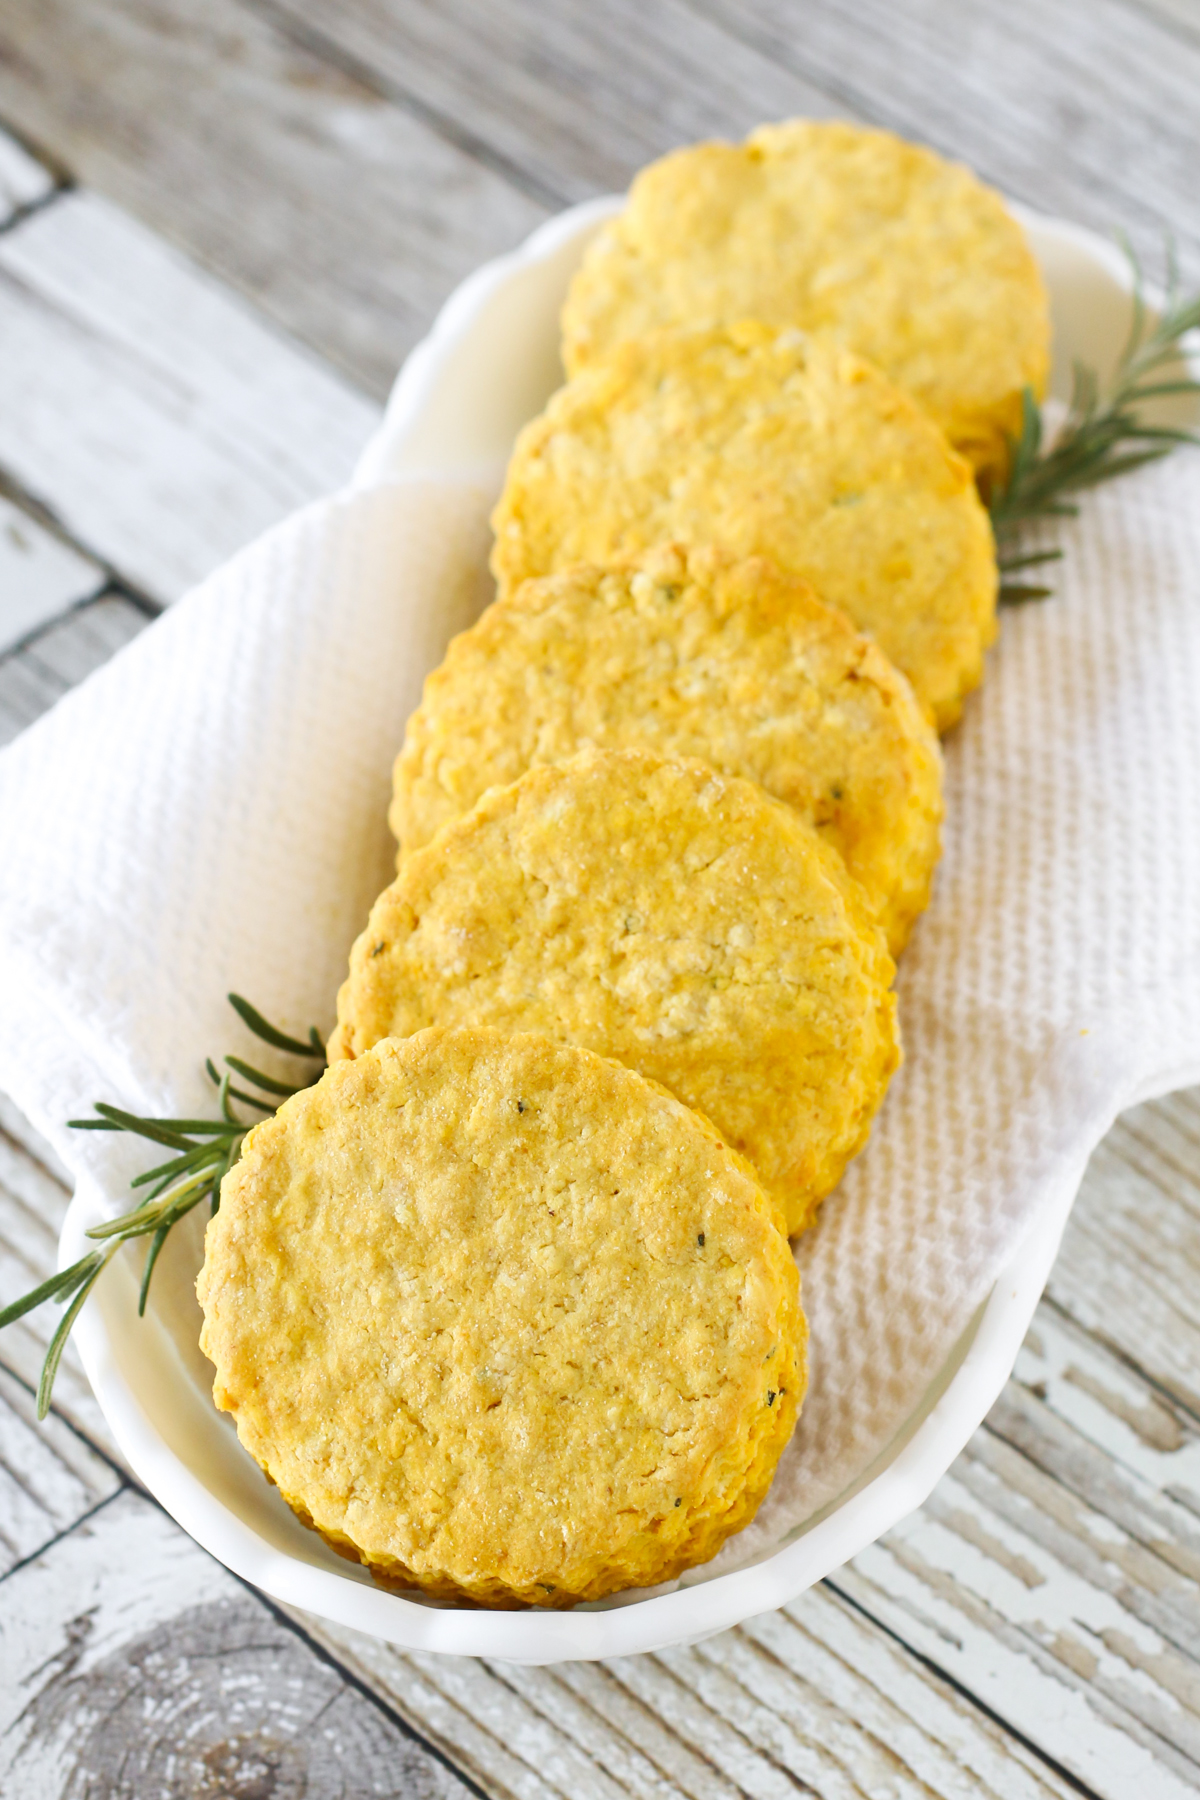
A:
(204, 1151)
(1105, 432)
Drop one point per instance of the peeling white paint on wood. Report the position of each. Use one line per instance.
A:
(1072, 1667)
(1150, 1444)
(879, 1693)
(1128, 1266)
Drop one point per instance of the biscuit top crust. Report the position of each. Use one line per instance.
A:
(691, 654)
(770, 444)
(908, 259)
(504, 1318)
(655, 911)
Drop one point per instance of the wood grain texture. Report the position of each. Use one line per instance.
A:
(576, 98)
(345, 217)
(41, 576)
(1087, 111)
(24, 181)
(33, 677)
(1129, 1267)
(155, 416)
(49, 1476)
(132, 1666)
(1182, 16)
(811, 1699)
(33, 1201)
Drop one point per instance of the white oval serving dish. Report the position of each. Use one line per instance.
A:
(488, 365)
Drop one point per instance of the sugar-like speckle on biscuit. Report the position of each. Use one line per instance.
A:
(681, 921)
(771, 444)
(503, 1321)
(688, 653)
(906, 258)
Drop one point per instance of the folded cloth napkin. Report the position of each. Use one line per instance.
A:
(207, 812)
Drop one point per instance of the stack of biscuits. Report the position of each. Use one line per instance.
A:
(505, 1304)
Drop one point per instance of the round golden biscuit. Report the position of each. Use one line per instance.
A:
(503, 1320)
(689, 653)
(657, 912)
(765, 444)
(906, 258)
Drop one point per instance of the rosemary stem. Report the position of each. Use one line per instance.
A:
(204, 1152)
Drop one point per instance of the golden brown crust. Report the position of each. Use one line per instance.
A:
(654, 911)
(503, 1321)
(908, 259)
(688, 653)
(765, 444)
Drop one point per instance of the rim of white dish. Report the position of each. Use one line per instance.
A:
(903, 1477)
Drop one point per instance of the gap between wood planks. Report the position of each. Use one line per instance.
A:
(345, 217)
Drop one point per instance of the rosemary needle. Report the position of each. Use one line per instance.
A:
(204, 1152)
(1105, 433)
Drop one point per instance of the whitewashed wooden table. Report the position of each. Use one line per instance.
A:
(221, 227)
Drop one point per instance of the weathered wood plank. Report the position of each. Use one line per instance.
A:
(1179, 15)
(1084, 111)
(1082, 1415)
(816, 1695)
(346, 217)
(49, 1475)
(33, 1200)
(24, 181)
(1065, 1664)
(1054, 1572)
(889, 1721)
(630, 1721)
(502, 1724)
(131, 1664)
(35, 676)
(577, 98)
(40, 575)
(537, 1746)
(616, 1765)
(70, 648)
(1127, 1269)
(15, 1126)
(24, 696)
(150, 411)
